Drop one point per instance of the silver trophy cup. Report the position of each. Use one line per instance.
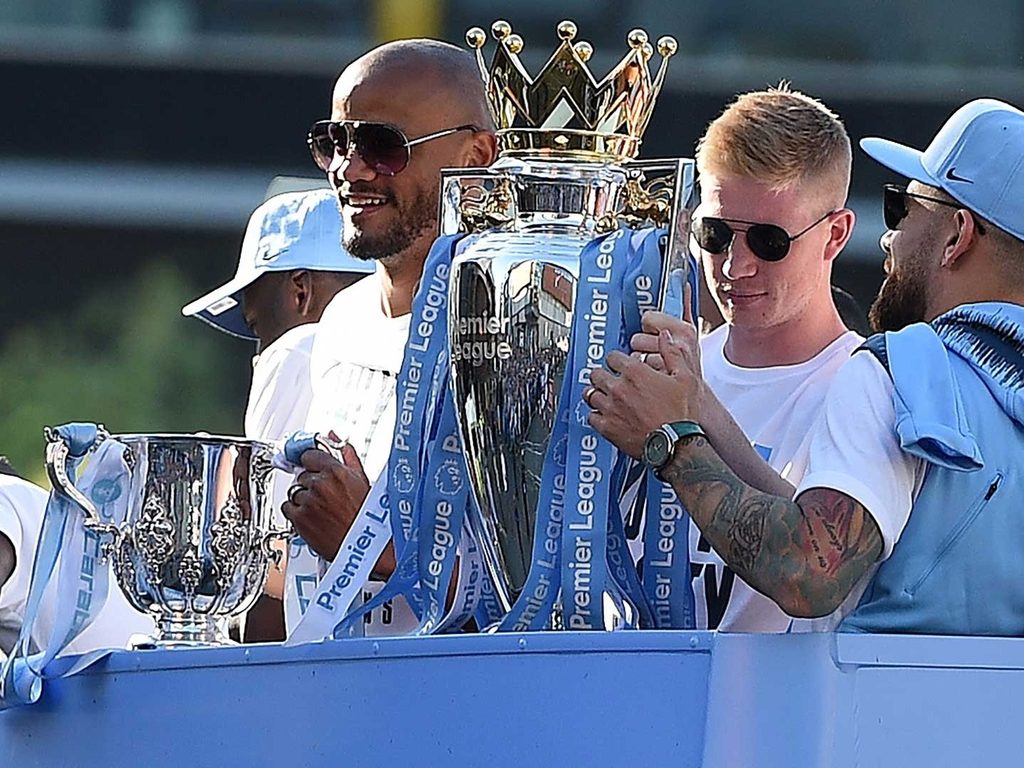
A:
(567, 174)
(194, 546)
(511, 306)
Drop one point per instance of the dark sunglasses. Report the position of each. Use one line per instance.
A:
(768, 242)
(383, 147)
(895, 209)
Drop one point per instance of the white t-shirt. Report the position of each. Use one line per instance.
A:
(776, 407)
(21, 519)
(280, 393)
(357, 355)
(854, 449)
(279, 398)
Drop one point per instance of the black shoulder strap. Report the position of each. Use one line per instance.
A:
(876, 346)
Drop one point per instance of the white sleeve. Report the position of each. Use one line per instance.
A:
(854, 448)
(279, 397)
(16, 588)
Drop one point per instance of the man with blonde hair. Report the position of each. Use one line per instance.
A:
(774, 173)
(908, 516)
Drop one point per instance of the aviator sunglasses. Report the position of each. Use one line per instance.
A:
(383, 147)
(895, 210)
(769, 242)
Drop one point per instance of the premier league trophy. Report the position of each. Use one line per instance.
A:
(566, 175)
(194, 542)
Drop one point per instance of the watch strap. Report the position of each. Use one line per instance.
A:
(683, 429)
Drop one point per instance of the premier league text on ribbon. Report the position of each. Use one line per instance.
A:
(443, 537)
(590, 473)
(409, 418)
(670, 516)
(356, 554)
(536, 600)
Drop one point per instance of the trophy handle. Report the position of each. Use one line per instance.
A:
(272, 554)
(75, 441)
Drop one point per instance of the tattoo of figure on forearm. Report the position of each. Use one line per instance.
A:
(746, 533)
(710, 485)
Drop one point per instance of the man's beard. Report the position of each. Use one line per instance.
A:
(410, 224)
(902, 300)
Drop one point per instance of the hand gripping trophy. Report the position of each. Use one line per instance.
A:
(568, 240)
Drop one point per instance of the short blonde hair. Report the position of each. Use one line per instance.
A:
(779, 137)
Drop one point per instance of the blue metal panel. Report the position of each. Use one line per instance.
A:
(838, 701)
(774, 702)
(547, 699)
(572, 699)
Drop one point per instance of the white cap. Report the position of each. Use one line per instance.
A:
(295, 230)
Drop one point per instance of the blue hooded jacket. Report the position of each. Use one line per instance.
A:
(958, 568)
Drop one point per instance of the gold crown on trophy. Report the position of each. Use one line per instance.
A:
(565, 112)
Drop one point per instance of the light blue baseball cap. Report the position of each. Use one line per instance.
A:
(977, 157)
(294, 230)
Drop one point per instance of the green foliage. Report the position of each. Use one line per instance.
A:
(125, 358)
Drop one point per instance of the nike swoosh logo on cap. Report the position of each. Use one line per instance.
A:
(951, 175)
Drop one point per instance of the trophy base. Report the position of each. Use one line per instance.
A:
(185, 632)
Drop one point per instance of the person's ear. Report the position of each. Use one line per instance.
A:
(300, 288)
(482, 150)
(840, 226)
(962, 237)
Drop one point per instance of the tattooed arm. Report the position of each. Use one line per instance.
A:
(806, 555)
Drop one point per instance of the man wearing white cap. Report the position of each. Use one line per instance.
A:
(907, 519)
(291, 265)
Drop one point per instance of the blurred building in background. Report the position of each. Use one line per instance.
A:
(139, 134)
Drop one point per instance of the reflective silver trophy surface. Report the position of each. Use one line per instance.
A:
(194, 544)
(565, 175)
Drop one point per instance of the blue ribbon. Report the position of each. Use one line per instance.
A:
(428, 333)
(427, 478)
(23, 673)
(666, 560)
(532, 609)
(620, 561)
(597, 325)
(442, 510)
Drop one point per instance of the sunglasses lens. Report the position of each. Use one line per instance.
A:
(713, 235)
(768, 241)
(894, 207)
(321, 145)
(382, 147)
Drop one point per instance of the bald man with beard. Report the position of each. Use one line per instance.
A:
(432, 93)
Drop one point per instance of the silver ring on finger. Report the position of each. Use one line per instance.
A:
(292, 491)
(587, 394)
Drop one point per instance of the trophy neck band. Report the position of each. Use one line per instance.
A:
(567, 144)
(543, 192)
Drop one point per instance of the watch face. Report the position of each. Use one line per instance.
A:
(657, 449)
